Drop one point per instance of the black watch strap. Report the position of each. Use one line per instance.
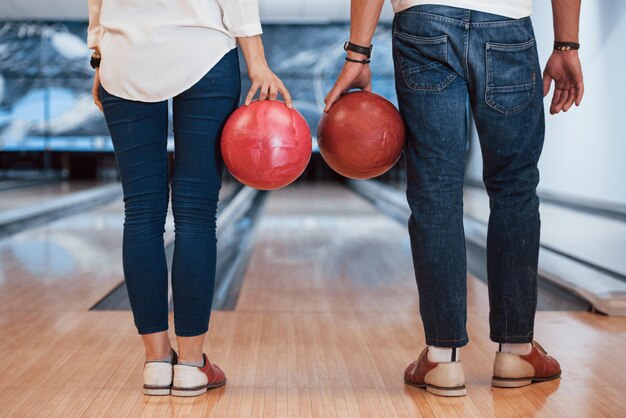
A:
(566, 46)
(364, 50)
(95, 60)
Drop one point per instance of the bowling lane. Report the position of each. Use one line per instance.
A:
(293, 348)
(31, 196)
(68, 264)
(328, 312)
(323, 248)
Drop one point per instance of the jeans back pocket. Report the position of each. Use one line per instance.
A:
(422, 61)
(511, 76)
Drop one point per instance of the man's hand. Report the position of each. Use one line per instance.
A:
(364, 17)
(564, 68)
(352, 76)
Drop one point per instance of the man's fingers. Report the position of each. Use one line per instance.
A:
(580, 91)
(251, 93)
(547, 81)
(571, 96)
(332, 97)
(368, 86)
(556, 98)
(562, 101)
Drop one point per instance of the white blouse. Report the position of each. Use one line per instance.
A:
(153, 50)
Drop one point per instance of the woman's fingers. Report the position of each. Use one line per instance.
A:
(96, 100)
(265, 87)
(273, 91)
(286, 95)
(251, 93)
(269, 88)
(95, 91)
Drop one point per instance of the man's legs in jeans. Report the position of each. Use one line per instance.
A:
(441, 54)
(507, 103)
(432, 95)
(430, 80)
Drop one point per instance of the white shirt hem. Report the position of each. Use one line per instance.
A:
(182, 87)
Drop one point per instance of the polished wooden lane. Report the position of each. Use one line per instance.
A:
(70, 263)
(33, 195)
(325, 324)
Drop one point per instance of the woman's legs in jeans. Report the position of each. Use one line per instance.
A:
(139, 133)
(199, 116)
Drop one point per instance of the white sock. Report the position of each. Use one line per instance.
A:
(443, 354)
(521, 349)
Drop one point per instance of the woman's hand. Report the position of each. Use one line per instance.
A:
(261, 76)
(95, 90)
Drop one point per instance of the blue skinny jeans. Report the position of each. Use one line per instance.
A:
(139, 133)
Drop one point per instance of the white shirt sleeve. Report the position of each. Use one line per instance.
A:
(94, 30)
(241, 17)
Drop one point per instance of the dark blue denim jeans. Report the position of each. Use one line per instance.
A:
(443, 56)
(139, 132)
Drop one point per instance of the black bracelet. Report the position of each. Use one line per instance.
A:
(363, 50)
(364, 62)
(95, 60)
(566, 46)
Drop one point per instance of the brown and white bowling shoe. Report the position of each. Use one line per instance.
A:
(443, 379)
(194, 381)
(517, 370)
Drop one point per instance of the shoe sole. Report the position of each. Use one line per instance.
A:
(440, 391)
(502, 382)
(189, 392)
(156, 391)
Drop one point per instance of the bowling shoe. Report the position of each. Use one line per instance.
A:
(443, 379)
(194, 381)
(517, 370)
(157, 377)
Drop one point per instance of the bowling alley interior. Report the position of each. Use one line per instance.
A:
(312, 226)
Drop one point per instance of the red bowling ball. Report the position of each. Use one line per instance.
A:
(361, 136)
(266, 145)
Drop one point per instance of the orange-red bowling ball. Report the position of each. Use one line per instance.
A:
(266, 145)
(361, 136)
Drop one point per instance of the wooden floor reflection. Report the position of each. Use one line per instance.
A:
(325, 324)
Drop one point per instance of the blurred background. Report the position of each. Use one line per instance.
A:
(47, 121)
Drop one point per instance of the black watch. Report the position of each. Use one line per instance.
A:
(367, 51)
(95, 60)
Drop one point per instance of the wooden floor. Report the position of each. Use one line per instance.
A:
(324, 327)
